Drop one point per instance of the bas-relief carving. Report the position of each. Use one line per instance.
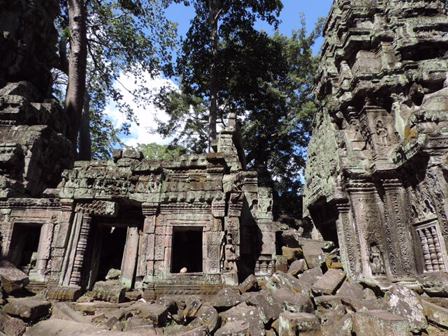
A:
(384, 106)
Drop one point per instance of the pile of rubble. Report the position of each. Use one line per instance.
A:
(309, 294)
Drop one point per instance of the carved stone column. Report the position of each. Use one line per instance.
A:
(398, 231)
(347, 237)
(146, 246)
(76, 276)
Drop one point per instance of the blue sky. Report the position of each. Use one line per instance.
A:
(290, 17)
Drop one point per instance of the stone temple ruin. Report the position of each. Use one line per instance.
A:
(192, 224)
(380, 186)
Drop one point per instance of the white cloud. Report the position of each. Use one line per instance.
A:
(145, 115)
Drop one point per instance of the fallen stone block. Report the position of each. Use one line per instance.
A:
(297, 267)
(110, 291)
(192, 306)
(355, 305)
(290, 238)
(207, 317)
(266, 305)
(234, 328)
(299, 324)
(380, 322)
(435, 283)
(11, 326)
(27, 308)
(62, 311)
(351, 289)
(137, 324)
(406, 303)
(329, 310)
(154, 312)
(61, 293)
(55, 327)
(329, 282)
(291, 254)
(281, 280)
(313, 255)
(199, 331)
(226, 298)
(249, 285)
(435, 313)
(11, 277)
(246, 313)
(293, 303)
(341, 327)
(312, 275)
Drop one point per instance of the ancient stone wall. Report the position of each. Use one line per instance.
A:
(376, 178)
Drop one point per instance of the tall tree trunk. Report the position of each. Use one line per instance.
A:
(214, 10)
(85, 141)
(77, 66)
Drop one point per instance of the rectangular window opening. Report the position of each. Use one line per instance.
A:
(186, 250)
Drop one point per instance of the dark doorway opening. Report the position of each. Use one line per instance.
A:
(112, 248)
(187, 250)
(25, 245)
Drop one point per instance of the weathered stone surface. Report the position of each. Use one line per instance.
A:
(249, 284)
(113, 274)
(329, 282)
(311, 276)
(192, 306)
(109, 291)
(55, 327)
(435, 284)
(283, 280)
(226, 298)
(268, 307)
(297, 267)
(138, 324)
(12, 279)
(11, 326)
(293, 302)
(292, 254)
(352, 289)
(299, 324)
(234, 328)
(313, 255)
(153, 312)
(406, 303)
(27, 308)
(342, 327)
(245, 313)
(62, 311)
(436, 314)
(380, 322)
(208, 317)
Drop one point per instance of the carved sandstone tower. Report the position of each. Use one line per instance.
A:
(378, 161)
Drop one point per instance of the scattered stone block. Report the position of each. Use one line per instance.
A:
(341, 327)
(291, 253)
(368, 294)
(406, 303)
(313, 255)
(199, 331)
(113, 274)
(246, 313)
(329, 310)
(355, 305)
(291, 237)
(299, 324)
(329, 282)
(380, 322)
(110, 291)
(155, 312)
(281, 280)
(137, 324)
(27, 308)
(297, 267)
(207, 317)
(193, 304)
(312, 275)
(62, 311)
(435, 313)
(234, 328)
(281, 264)
(268, 308)
(11, 326)
(293, 303)
(249, 285)
(226, 298)
(12, 279)
(61, 293)
(55, 327)
(435, 283)
(351, 289)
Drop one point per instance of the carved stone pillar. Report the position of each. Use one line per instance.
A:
(146, 246)
(347, 237)
(76, 276)
(398, 231)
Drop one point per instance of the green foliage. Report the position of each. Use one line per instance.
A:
(266, 80)
(161, 152)
(124, 36)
